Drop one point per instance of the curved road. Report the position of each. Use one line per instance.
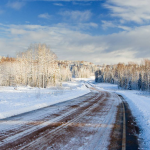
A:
(82, 123)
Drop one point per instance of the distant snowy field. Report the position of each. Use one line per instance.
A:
(139, 103)
(24, 99)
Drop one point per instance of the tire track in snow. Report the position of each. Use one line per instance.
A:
(18, 124)
(36, 128)
(49, 136)
(54, 132)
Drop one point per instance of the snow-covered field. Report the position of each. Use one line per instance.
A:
(140, 106)
(24, 99)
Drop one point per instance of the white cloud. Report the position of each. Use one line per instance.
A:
(68, 0)
(69, 44)
(16, 4)
(107, 24)
(110, 24)
(82, 3)
(78, 26)
(124, 27)
(130, 10)
(58, 4)
(44, 16)
(93, 24)
(18, 31)
(77, 15)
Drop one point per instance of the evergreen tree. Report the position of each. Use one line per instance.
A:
(130, 85)
(140, 82)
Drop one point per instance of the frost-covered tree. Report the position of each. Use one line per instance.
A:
(35, 67)
(127, 76)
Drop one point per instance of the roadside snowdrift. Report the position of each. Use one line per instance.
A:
(140, 107)
(24, 99)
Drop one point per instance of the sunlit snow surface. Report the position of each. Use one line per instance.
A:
(139, 103)
(23, 99)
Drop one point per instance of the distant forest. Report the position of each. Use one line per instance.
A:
(39, 67)
(127, 76)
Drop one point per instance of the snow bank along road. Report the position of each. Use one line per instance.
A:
(91, 121)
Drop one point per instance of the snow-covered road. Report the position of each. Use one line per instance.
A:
(80, 115)
(81, 123)
(139, 104)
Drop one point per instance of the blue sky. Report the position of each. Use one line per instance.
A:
(99, 31)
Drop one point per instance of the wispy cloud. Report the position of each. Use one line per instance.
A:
(110, 24)
(81, 3)
(78, 26)
(77, 15)
(15, 4)
(58, 4)
(67, 0)
(45, 16)
(130, 10)
(69, 44)
(107, 24)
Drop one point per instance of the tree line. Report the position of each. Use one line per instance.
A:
(127, 76)
(39, 67)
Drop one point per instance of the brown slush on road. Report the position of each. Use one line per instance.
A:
(85, 122)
